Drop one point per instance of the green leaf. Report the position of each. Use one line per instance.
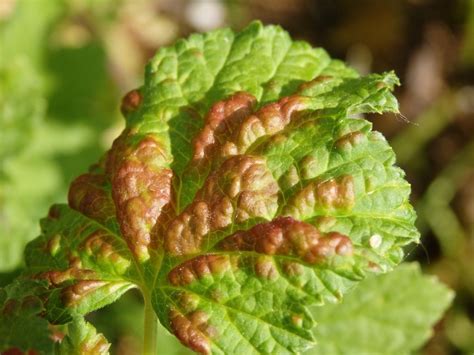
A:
(241, 192)
(388, 314)
(87, 264)
(83, 339)
(21, 324)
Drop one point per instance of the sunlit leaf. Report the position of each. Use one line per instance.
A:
(241, 192)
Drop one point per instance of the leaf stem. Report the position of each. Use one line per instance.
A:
(150, 329)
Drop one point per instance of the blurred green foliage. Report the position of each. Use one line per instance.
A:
(64, 64)
(56, 101)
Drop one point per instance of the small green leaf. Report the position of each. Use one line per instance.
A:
(21, 324)
(87, 264)
(387, 314)
(83, 339)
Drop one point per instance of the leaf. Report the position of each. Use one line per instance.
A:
(241, 192)
(86, 264)
(20, 314)
(387, 314)
(83, 339)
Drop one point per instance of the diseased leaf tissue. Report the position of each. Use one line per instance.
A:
(242, 191)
